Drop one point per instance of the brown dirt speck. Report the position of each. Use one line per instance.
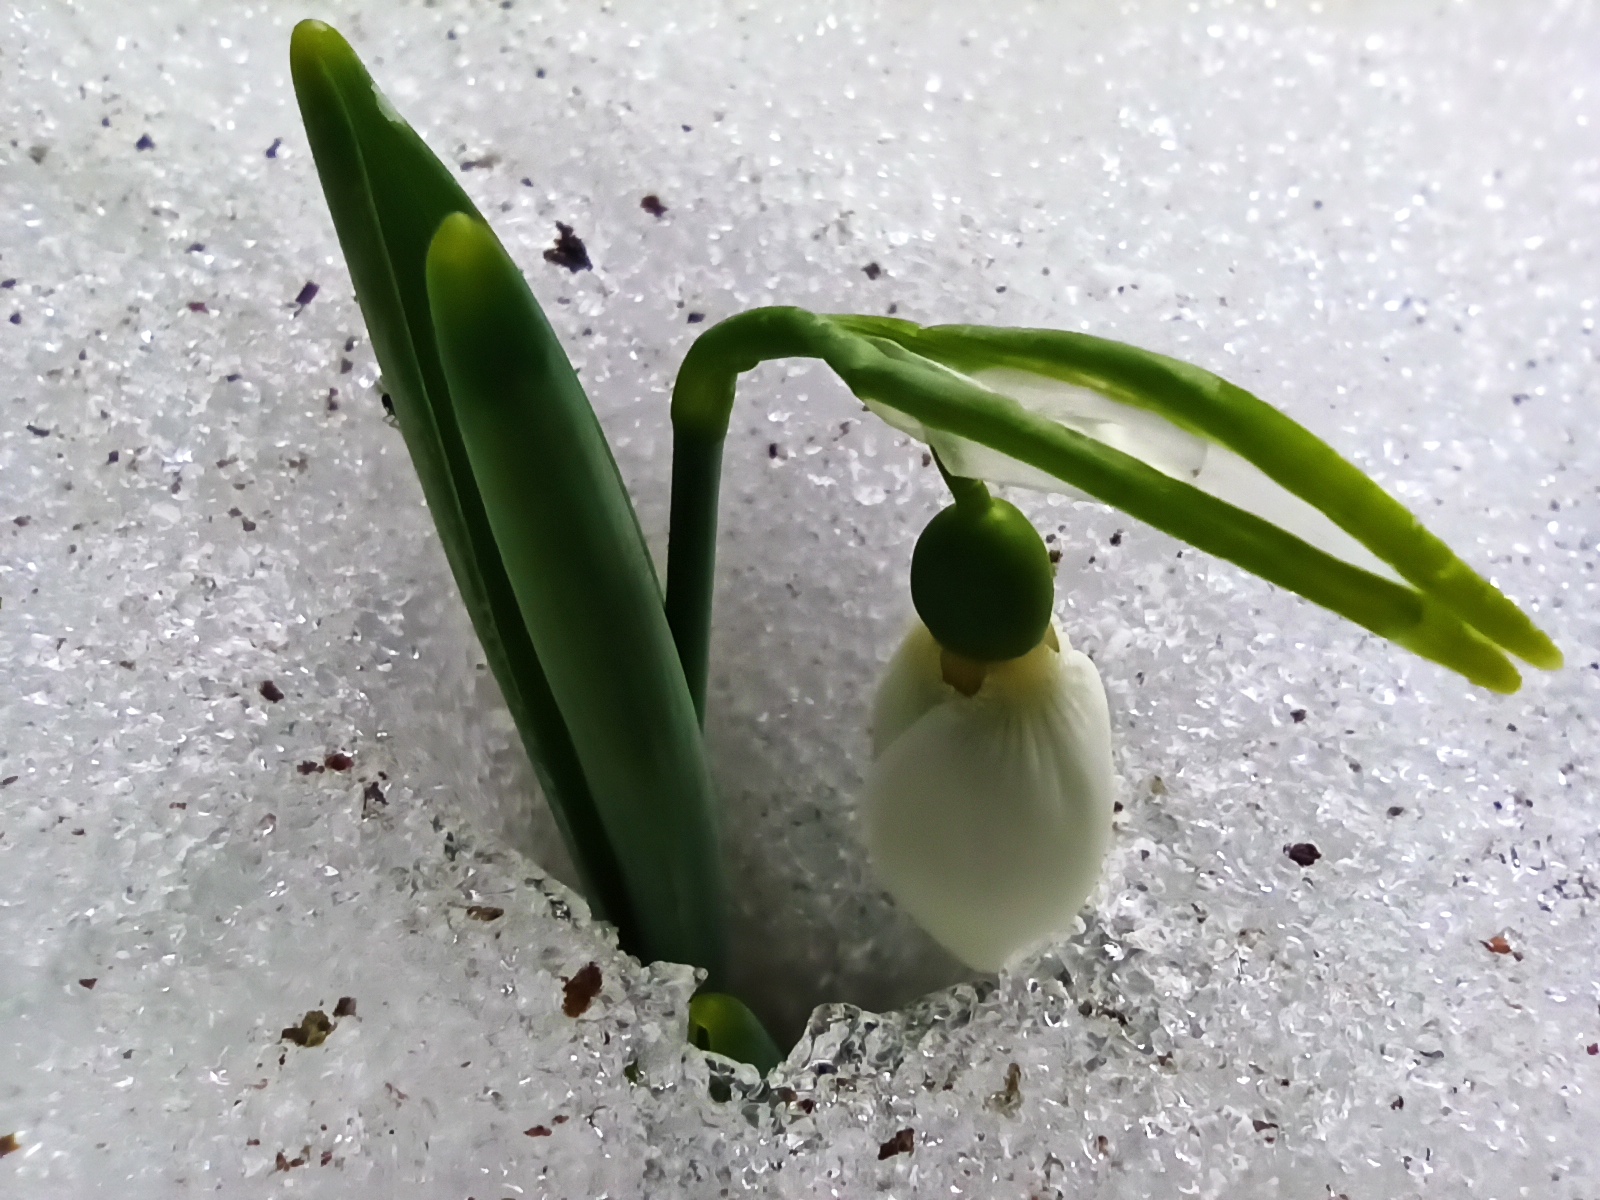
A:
(1008, 1100)
(578, 992)
(372, 799)
(1303, 854)
(903, 1142)
(1499, 945)
(569, 250)
(313, 1029)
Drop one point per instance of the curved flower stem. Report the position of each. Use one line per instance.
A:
(1451, 615)
(1286, 452)
(702, 402)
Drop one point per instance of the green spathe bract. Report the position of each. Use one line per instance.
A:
(388, 195)
(1227, 415)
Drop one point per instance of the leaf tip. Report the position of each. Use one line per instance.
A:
(315, 41)
(1545, 654)
(1506, 682)
(462, 247)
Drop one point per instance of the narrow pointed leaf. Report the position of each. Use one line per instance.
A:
(388, 193)
(578, 565)
(723, 1025)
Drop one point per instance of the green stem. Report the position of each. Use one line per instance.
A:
(872, 357)
(696, 473)
(967, 493)
(702, 403)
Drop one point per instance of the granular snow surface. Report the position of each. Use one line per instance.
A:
(252, 765)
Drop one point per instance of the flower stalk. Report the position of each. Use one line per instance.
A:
(928, 382)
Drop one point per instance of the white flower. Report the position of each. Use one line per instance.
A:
(987, 815)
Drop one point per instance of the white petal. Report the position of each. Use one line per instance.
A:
(1227, 476)
(913, 684)
(988, 817)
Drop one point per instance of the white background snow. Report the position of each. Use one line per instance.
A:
(1381, 217)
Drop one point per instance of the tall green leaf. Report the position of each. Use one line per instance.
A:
(388, 193)
(588, 595)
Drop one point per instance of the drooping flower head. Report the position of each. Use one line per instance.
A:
(987, 815)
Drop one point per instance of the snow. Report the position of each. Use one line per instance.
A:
(1380, 218)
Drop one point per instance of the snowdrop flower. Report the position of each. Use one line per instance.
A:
(988, 815)
(988, 808)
